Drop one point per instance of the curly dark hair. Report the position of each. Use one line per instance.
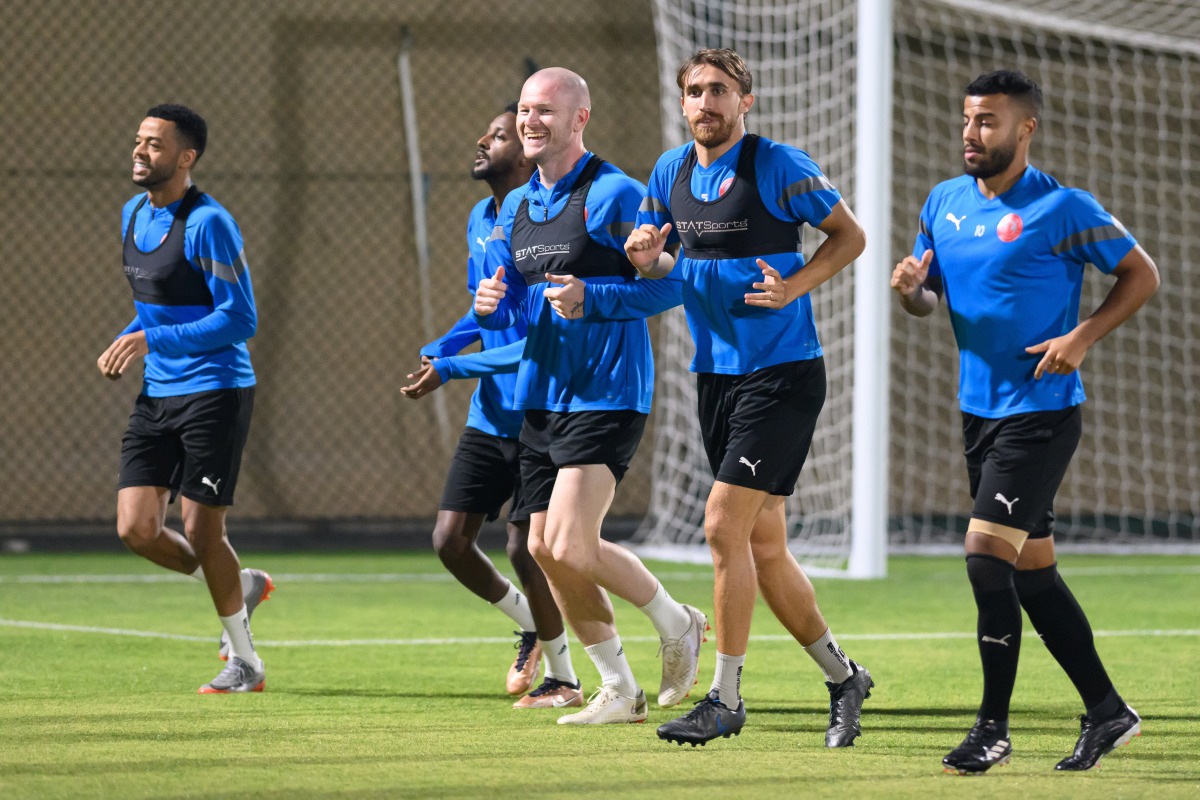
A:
(190, 127)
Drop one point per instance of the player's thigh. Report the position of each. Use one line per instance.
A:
(772, 420)
(141, 511)
(483, 474)
(1023, 466)
(213, 428)
(582, 496)
(151, 450)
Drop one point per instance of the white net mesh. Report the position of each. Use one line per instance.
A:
(1122, 86)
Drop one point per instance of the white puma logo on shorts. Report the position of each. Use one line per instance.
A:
(211, 484)
(1008, 503)
(753, 467)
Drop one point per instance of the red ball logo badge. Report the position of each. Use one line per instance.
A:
(1010, 228)
(725, 184)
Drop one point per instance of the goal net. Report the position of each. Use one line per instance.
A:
(1122, 86)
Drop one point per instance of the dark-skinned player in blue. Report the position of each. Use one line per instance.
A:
(485, 470)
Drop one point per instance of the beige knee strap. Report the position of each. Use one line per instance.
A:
(1014, 536)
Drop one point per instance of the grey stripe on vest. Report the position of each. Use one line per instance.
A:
(497, 234)
(620, 230)
(804, 187)
(1101, 233)
(226, 272)
(653, 205)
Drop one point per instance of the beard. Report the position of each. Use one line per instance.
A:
(156, 177)
(994, 161)
(712, 136)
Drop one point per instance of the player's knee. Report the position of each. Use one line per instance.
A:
(137, 532)
(726, 540)
(561, 555)
(518, 544)
(767, 552)
(449, 543)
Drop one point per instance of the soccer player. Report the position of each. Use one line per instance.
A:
(737, 203)
(485, 470)
(585, 386)
(195, 311)
(1007, 245)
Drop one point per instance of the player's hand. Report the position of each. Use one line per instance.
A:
(910, 274)
(645, 245)
(772, 289)
(121, 353)
(566, 295)
(424, 381)
(1061, 355)
(489, 294)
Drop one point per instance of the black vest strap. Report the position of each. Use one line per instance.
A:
(562, 245)
(735, 225)
(163, 276)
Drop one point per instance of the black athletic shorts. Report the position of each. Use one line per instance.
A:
(551, 440)
(1016, 464)
(485, 472)
(757, 428)
(191, 444)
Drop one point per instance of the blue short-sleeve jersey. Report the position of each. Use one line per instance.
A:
(731, 337)
(590, 364)
(196, 348)
(492, 403)
(1012, 270)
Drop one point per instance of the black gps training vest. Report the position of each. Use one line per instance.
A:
(736, 224)
(164, 276)
(563, 246)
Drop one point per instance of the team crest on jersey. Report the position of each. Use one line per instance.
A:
(1010, 228)
(725, 184)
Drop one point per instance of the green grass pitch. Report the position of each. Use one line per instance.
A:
(385, 679)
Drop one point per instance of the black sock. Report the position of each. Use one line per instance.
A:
(1067, 634)
(999, 631)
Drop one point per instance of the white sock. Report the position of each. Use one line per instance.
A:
(240, 644)
(516, 606)
(609, 658)
(557, 654)
(198, 575)
(728, 679)
(670, 619)
(830, 658)
(247, 581)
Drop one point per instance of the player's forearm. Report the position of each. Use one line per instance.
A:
(830, 258)
(920, 303)
(219, 329)
(661, 267)
(463, 333)
(1130, 292)
(639, 299)
(132, 327)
